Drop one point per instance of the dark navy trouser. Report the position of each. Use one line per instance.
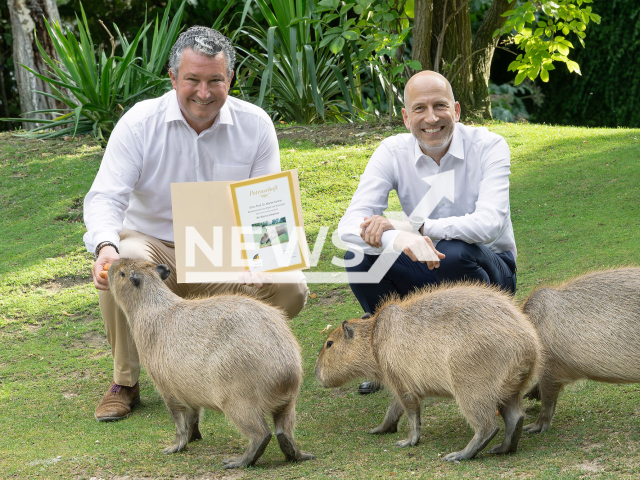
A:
(463, 261)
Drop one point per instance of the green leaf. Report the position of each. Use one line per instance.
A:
(520, 77)
(337, 45)
(350, 35)
(529, 17)
(563, 49)
(542, 24)
(565, 30)
(595, 18)
(508, 13)
(388, 17)
(409, 8)
(544, 75)
(415, 65)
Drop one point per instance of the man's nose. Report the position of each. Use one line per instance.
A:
(431, 117)
(203, 90)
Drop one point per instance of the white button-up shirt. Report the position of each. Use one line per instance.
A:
(477, 166)
(152, 146)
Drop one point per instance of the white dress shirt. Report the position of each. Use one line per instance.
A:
(152, 146)
(479, 212)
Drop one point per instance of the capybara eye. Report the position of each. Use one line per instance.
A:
(122, 274)
(329, 343)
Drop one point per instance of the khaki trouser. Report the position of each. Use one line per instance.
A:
(290, 296)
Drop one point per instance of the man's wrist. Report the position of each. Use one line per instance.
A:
(101, 245)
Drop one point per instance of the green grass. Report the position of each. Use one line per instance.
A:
(575, 199)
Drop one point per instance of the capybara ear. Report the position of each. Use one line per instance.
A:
(134, 278)
(348, 331)
(365, 316)
(163, 271)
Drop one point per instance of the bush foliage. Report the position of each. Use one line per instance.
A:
(608, 92)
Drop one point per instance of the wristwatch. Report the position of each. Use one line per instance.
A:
(105, 244)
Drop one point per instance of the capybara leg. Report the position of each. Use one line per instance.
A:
(250, 423)
(534, 393)
(480, 412)
(284, 420)
(480, 440)
(513, 420)
(411, 405)
(391, 419)
(194, 429)
(182, 418)
(549, 391)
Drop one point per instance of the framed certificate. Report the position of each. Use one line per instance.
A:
(271, 230)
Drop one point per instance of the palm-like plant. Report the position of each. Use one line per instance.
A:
(97, 89)
(301, 78)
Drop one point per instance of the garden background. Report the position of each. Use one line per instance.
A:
(575, 199)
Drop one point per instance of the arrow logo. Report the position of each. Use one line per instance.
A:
(442, 186)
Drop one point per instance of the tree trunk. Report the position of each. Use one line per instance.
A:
(483, 47)
(25, 16)
(423, 17)
(455, 49)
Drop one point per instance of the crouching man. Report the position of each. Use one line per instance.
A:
(468, 236)
(193, 133)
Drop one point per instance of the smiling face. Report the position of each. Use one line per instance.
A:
(202, 86)
(430, 112)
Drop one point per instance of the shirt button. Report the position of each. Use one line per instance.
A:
(442, 204)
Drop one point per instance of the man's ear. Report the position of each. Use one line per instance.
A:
(405, 117)
(173, 78)
(456, 107)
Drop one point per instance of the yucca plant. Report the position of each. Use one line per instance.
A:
(98, 89)
(295, 76)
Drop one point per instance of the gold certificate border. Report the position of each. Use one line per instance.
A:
(268, 178)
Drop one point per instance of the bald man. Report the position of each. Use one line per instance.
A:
(465, 232)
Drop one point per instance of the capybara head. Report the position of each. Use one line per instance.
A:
(131, 280)
(346, 354)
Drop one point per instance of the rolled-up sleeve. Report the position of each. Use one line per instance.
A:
(492, 212)
(108, 198)
(371, 198)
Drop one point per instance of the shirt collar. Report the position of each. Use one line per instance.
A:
(174, 112)
(456, 149)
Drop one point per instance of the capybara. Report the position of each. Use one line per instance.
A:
(279, 230)
(589, 328)
(230, 353)
(466, 341)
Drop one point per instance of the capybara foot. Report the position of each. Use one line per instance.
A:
(456, 456)
(384, 429)
(409, 442)
(510, 445)
(291, 452)
(176, 447)
(233, 462)
(251, 455)
(536, 427)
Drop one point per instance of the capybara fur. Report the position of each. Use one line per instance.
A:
(589, 328)
(230, 353)
(466, 341)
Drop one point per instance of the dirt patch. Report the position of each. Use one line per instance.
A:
(95, 340)
(60, 283)
(339, 134)
(331, 297)
(33, 328)
(591, 467)
(209, 476)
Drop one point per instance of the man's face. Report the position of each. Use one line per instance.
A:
(201, 86)
(430, 113)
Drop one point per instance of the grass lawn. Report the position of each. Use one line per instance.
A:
(575, 199)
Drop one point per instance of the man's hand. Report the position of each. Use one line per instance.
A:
(419, 249)
(108, 255)
(373, 227)
(257, 280)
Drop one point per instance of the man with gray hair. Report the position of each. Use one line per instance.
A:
(194, 133)
(453, 185)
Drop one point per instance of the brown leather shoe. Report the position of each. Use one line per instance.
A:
(117, 402)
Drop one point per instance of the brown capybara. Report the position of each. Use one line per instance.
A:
(465, 341)
(230, 353)
(589, 328)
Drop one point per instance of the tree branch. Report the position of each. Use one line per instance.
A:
(440, 38)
